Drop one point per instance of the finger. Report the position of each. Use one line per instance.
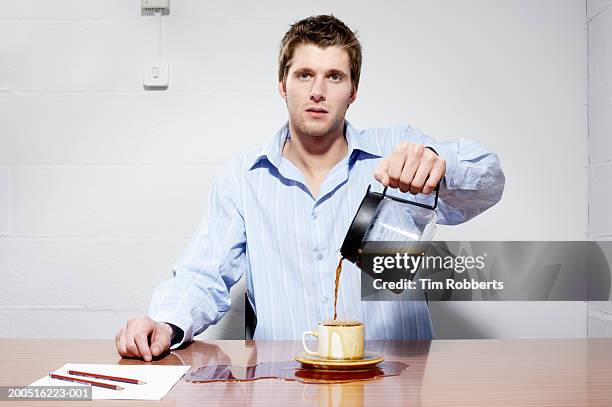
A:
(408, 173)
(131, 349)
(142, 328)
(142, 343)
(160, 341)
(396, 164)
(123, 343)
(130, 344)
(418, 182)
(382, 172)
(434, 178)
(118, 341)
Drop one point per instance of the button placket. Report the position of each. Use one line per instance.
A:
(318, 264)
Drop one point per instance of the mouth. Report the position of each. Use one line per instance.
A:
(316, 112)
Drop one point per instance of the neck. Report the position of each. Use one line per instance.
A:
(315, 155)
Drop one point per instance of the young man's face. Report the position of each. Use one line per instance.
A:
(318, 90)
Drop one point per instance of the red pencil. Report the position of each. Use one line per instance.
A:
(76, 380)
(102, 376)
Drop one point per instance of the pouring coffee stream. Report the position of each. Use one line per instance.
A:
(338, 272)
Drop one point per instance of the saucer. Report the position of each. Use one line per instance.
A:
(317, 362)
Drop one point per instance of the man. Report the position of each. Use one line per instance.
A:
(280, 214)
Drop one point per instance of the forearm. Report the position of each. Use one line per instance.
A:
(191, 301)
(213, 261)
(474, 180)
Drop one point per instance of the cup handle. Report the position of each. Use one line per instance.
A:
(304, 335)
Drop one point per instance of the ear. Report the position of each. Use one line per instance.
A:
(282, 90)
(353, 96)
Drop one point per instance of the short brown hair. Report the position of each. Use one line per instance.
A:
(323, 31)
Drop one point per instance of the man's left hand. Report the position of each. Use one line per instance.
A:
(411, 167)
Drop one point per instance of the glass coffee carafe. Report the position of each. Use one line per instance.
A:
(385, 218)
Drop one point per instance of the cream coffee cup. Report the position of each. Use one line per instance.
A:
(337, 339)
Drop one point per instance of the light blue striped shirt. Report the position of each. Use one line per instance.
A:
(262, 221)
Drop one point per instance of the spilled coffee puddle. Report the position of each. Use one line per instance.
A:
(291, 371)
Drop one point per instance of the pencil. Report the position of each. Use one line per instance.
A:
(105, 377)
(74, 379)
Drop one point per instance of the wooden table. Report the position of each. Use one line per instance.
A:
(566, 372)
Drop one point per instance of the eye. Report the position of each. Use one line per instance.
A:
(335, 77)
(303, 76)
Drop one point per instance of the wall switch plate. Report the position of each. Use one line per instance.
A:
(148, 7)
(156, 75)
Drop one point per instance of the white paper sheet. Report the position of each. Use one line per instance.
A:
(159, 379)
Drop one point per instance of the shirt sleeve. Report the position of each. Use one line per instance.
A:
(474, 180)
(214, 260)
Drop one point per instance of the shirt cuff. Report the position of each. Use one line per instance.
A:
(450, 159)
(181, 328)
(177, 334)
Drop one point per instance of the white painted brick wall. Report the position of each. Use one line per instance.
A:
(5, 200)
(99, 200)
(133, 127)
(600, 145)
(600, 320)
(102, 183)
(595, 7)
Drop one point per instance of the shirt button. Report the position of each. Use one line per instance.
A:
(324, 299)
(314, 215)
(320, 256)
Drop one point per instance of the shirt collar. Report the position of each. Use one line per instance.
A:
(357, 140)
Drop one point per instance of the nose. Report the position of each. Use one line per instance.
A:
(317, 93)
